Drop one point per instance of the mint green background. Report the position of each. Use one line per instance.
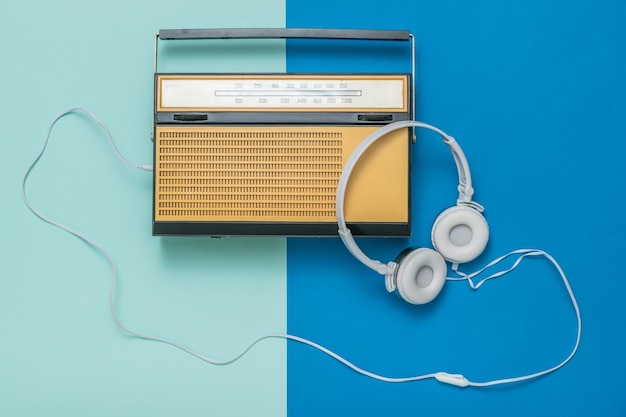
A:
(60, 352)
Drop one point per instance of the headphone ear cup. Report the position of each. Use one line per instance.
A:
(460, 234)
(420, 275)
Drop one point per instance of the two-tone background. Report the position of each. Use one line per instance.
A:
(535, 93)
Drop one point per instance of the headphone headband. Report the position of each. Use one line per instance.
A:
(465, 186)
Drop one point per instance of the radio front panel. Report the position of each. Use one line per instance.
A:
(262, 154)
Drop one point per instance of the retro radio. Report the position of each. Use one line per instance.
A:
(261, 154)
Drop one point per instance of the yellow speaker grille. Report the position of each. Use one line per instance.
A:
(264, 174)
(226, 174)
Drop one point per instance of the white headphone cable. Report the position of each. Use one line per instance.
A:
(523, 254)
(453, 379)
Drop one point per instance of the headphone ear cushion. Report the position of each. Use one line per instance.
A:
(460, 234)
(420, 275)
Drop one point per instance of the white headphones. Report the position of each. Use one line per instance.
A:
(459, 234)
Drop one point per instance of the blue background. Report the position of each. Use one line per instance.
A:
(534, 91)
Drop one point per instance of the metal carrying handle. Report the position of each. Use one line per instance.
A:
(284, 33)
